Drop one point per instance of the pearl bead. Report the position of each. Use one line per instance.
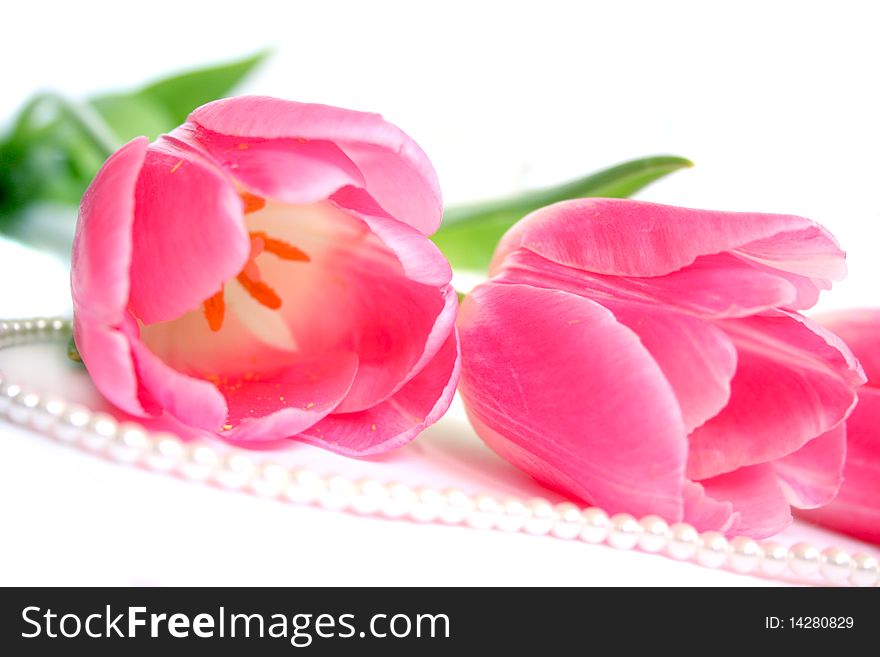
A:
(8, 392)
(305, 487)
(865, 570)
(683, 541)
(165, 453)
(22, 407)
(569, 521)
(596, 525)
(514, 514)
(199, 462)
(624, 532)
(712, 552)
(47, 414)
(101, 430)
(542, 517)
(429, 503)
(745, 554)
(131, 444)
(236, 470)
(458, 506)
(372, 496)
(73, 421)
(655, 532)
(485, 514)
(774, 560)
(270, 480)
(834, 564)
(337, 495)
(803, 559)
(401, 499)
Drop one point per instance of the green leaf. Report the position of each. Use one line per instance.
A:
(469, 233)
(181, 94)
(53, 150)
(55, 146)
(129, 116)
(165, 104)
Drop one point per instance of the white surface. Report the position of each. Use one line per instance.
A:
(777, 103)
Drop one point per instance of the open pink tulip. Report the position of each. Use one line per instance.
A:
(856, 509)
(651, 360)
(263, 272)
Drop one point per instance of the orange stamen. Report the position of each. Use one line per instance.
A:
(252, 202)
(215, 309)
(252, 271)
(250, 279)
(264, 294)
(280, 248)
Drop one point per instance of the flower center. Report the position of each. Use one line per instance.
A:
(249, 277)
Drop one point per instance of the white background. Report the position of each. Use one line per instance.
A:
(777, 103)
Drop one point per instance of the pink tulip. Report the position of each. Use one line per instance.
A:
(856, 509)
(651, 360)
(263, 272)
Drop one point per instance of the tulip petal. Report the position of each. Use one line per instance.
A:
(536, 370)
(794, 381)
(856, 509)
(697, 359)
(282, 404)
(440, 334)
(421, 260)
(860, 329)
(812, 475)
(622, 237)
(714, 286)
(393, 327)
(290, 170)
(357, 295)
(757, 498)
(102, 246)
(398, 174)
(107, 354)
(99, 277)
(192, 401)
(396, 421)
(705, 513)
(189, 232)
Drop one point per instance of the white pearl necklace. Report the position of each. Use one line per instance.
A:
(131, 443)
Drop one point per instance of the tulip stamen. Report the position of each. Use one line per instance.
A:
(280, 248)
(251, 202)
(261, 292)
(215, 310)
(249, 278)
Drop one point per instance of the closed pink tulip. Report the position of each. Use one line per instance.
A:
(856, 509)
(264, 272)
(651, 360)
